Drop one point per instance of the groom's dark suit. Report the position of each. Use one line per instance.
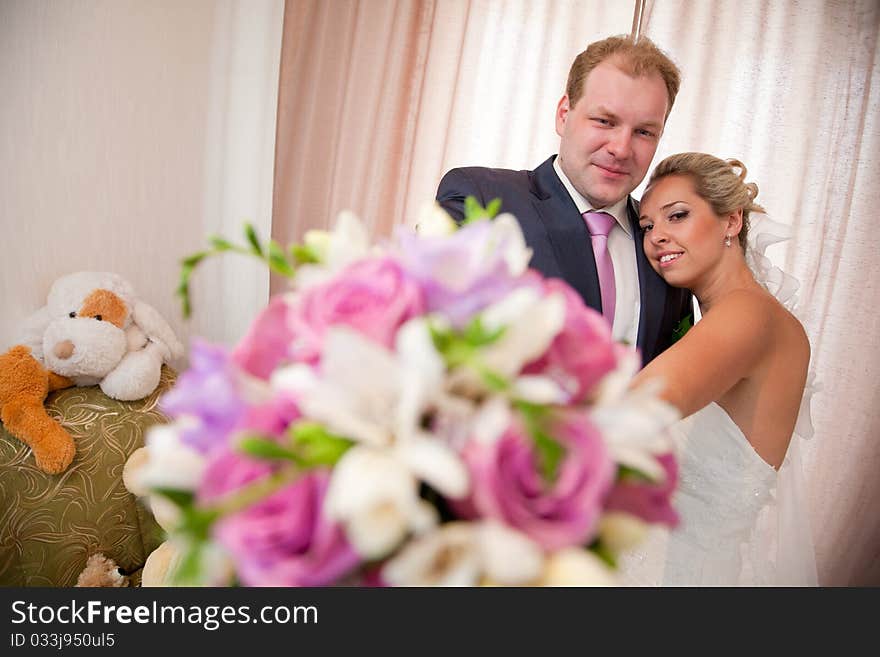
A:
(560, 241)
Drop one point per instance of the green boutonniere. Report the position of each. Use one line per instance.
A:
(682, 327)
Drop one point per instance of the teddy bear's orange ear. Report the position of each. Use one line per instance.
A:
(105, 306)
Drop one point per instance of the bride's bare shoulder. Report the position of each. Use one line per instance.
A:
(759, 311)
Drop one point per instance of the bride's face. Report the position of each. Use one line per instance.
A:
(683, 237)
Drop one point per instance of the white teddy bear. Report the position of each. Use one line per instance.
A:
(94, 330)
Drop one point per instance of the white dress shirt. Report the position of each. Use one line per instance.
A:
(623, 258)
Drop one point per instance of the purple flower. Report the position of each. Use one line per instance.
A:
(508, 486)
(466, 271)
(374, 297)
(582, 353)
(285, 540)
(648, 501)
(207, 392)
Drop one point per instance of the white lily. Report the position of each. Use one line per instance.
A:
(466, 554)
(634, 422)
(530, 322)
(348, 242)
(447, 556)
(379, 404)
(510, 558)
(375, 496)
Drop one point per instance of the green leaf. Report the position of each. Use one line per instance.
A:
(473, 211)
(303, 254)
(604, 553)
(550, 451)
(315, 446)
(441, 337)
(625, 473)
(253, 240)
(682, 327)
(493, 380)
(265, 448)
(278, 260)
(550, 454)
(197, 522)
(189, 568)
(476, 335)
(181, 498)
(220, 244)
(493, 208)
(191, 261)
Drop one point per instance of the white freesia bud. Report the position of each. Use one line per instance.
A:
(510, 558)
(319, 242)
(375, 497)
(576, 567)
(539, 390)
(166, 512)
(349, 241)
(507, 230)
(171, 463)
(447, 556)
(621, 531)
(491, 420)
(433, 221)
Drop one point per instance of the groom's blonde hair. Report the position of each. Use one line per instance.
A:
(635, 57)
(721, 183)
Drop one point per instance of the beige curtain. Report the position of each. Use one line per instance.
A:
(378, 98)
(793, 90)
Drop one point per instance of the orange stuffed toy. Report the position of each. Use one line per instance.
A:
(24, 384)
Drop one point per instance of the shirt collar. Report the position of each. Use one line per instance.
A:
(617, 210)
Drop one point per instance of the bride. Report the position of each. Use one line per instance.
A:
(738, 378)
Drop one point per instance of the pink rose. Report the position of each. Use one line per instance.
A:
(267, 341)
(508, 486)
(648, 501)
(582, 352)
(229, 469)
(285, 540)
(373, 296)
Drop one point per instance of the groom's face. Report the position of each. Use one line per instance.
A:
(610, 135)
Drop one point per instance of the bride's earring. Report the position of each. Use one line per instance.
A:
(727, 240)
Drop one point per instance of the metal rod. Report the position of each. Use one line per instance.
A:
(638, 13)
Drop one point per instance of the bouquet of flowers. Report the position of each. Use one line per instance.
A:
(424, 411)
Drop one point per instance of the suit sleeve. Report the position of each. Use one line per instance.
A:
(455, 186)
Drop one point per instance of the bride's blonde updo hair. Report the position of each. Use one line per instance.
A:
(721, 183)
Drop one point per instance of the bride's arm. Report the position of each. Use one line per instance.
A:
(723, 348)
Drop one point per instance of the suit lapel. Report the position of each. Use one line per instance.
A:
(652, 291)
(567, 233)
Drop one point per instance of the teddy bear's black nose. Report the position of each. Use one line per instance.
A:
(63, 350)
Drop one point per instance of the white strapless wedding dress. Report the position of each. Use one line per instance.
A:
(741, 522)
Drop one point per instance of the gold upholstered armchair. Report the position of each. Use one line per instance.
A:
(51, 524)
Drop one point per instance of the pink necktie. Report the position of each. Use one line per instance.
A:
(600, 224)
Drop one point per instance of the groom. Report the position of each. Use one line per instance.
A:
(575, 209)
